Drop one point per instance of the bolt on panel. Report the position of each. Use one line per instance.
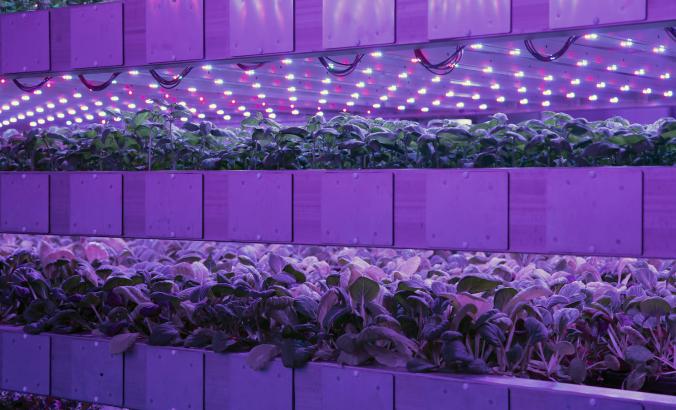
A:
(24, 362)
(24, 42)
(84, 369)
(232, 385)
(24, 203)
(86, 204)
(96, 35)
(163, 378)
(578, 13)
(261, 27)
(355, 23)
(466, 18)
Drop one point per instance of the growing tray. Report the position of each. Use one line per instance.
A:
(617, 211)
(164, 377)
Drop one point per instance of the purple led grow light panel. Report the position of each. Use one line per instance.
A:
(332, 387)
(163, 205)
(577, 13)
(86, 204)
(82, 368)
(160, 378)
(464, 18)
(354, 23)
(451, 209)
(346, 208)
(24, 42)
(24, 362)
(96, 35)
(600, 71)
(248, 206)
(415, 392)
(247, 17)
(232, 385)
(24, 203)
(175, 30)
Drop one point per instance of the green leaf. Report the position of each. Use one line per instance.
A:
(260, 356)
(637, 355)
(123, 342)
(364, 289)
(655, 307)
(477, 284)
(577, 370)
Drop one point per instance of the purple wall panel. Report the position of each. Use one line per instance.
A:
(411, 21)
(354, 23)
(576, 211)
(332, 387)
(174, 30)
(86, 204)
(594, 211)
(135, 32)
(527, 210)
(83, 368)
(216, 29)
(416, 391)
(530, 16)
(466, 18)
(451, 209)
(350, 208)
(308, 25)
(261, 26)
(248, 206)
(24, 203)
(60, 44)
(24, 42)
(232, 385)
(576, 13)
(163, 205)
(531, 399)
(96, 35)
(163, 378)
(24, 362)
(659, 230)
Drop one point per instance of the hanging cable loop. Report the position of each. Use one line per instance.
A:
(170, 83)
(30, 88)
(551, 57)
(443, 67)
(247, 67)
(338, 68)
(100, 86)
(671, 32)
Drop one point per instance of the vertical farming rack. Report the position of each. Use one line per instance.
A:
(234, 57)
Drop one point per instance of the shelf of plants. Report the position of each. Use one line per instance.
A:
(199, 198)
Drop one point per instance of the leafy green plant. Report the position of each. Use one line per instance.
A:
(153, 139)
(14, 6)
(607, 321)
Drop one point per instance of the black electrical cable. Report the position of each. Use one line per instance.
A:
(671, 32)
(30, 88)
(247, 67)
(174, 82)
(100, 86)
(345, 68)
(443, 67)
(551, 57)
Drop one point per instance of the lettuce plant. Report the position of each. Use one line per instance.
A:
(605, 321)
(153, 139)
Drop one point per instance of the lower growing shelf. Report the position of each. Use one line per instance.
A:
(149, 377)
